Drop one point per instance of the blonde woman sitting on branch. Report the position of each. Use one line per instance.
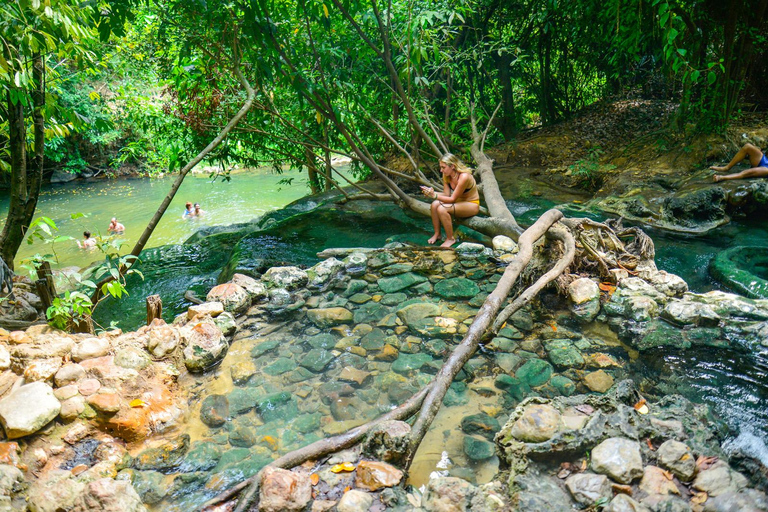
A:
(460, 198)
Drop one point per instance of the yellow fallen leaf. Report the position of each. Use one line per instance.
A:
(699, 497)
(643, 409)
(138, 402)
(346, 466)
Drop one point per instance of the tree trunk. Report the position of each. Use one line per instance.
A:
(506, 123)
(26, 177)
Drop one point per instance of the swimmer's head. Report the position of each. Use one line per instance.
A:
(197, 206)
(87, 234)
(188, 205)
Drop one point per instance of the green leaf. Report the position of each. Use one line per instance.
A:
(711, 78)
(695, 75)
(682, 51)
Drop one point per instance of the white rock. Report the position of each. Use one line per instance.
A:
(90, 348)
(503, 243)
(583, 290)
(5, 358)
(618, 458)
(28, 409)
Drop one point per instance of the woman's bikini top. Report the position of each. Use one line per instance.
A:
(466, 195)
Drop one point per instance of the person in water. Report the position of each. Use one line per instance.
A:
(197, 212)
(460, 198)
(188, 211)
(757, 160)
(115, 227)
(87, 242)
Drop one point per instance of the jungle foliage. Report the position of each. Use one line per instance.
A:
(129, 86)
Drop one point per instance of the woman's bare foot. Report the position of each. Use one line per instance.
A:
(433, 239)
(719, 169)
(448, 242)
(716, 178)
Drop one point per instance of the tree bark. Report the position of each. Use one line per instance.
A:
(26, 176)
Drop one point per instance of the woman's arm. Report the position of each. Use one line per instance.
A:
(457, 192)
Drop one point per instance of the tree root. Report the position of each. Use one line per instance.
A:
(318, 449)
(557, 233)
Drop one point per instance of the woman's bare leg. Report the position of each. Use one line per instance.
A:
(460, 210)
(748, 150)
(444, 213)
(755, 172)
(435, 222)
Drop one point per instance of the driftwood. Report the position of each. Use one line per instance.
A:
(318, 449)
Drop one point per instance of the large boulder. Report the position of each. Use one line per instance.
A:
(90, 348)
(538, 423)
(28, 409)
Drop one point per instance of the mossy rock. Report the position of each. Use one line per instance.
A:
(743, 269)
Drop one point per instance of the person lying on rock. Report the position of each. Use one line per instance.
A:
(460, 198)
(757, 160)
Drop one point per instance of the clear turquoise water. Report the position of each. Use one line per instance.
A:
(133, 201)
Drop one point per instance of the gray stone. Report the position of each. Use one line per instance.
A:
(623, 503)
(355, 501)
(108, 495)
(619, 458)
(132, 358)
(746, 500)
(233, 297)
(214, 410)
(447, 494)
(69, 374)
(289, 278)
(28, 409)
(163, 340)
(503, 243)
(478, 449)
(90, 348)
(540, 493)
(324, 272)
(399, 282)
(564, 354)
(583, 290)
(255, 289)
(316, 359)
(588, 488)
(205, 347)
(678, 458)
(719, 479)
(328, 317)
(418, 311)
(538, 423)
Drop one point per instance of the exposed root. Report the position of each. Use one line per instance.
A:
(316, 450)
(558, 233)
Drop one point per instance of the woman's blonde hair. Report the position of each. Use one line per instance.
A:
(453, 161)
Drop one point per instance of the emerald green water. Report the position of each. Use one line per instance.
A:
(133, 201)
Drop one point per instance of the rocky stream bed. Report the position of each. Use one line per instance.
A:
(547, 416)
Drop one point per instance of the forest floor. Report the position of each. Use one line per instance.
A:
(611, 148)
